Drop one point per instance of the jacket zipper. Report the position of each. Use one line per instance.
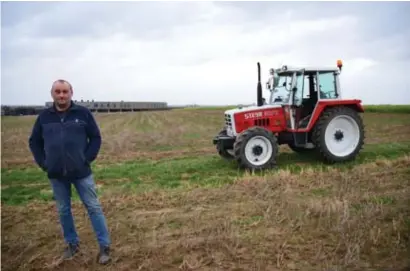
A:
(62, 147)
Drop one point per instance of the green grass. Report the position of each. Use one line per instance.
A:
(21, 186)
(403, 108)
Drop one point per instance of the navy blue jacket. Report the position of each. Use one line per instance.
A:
(65, 144)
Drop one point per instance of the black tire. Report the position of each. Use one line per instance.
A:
(243, 139)
(318, 135)
(221, 150)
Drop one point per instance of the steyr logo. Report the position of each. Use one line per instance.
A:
(252, 115)
(267, 113)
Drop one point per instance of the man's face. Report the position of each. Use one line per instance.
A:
(61, 94)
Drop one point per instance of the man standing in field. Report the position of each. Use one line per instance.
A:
(65, 140)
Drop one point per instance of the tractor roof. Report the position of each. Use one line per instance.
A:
(288, 70)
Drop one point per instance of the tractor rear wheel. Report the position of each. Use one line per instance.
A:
(224, 153)
(256, 149)
(339, 134)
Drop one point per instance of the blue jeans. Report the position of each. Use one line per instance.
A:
(86, 190)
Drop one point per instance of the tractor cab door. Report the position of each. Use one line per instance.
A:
(295, 107)
(296, 99)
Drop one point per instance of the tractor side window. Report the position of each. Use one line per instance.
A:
(306, 87)
(327, 85)
(283, 89)
(298, 98)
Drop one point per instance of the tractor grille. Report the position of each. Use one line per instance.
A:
(228, 120)
(261, 122)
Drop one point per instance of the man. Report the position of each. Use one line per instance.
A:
(65, 140)
(272, 81)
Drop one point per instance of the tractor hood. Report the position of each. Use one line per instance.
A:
(230, 119)
(251, 108)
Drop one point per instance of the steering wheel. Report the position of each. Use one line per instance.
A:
(326, 94)
(284, 85)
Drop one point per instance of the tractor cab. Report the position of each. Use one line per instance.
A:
(305, 89)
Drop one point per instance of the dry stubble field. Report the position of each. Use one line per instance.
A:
(173, 204)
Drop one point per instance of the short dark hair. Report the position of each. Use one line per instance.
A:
(62, 81)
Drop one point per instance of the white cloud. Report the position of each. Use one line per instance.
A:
(202, 57)
(358, 65)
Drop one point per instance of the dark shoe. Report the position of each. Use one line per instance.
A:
(104, 255)
(70, 251)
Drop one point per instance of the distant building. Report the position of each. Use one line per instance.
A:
(102, 106)
(94, 106)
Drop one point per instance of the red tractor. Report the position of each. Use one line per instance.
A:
(311, 118)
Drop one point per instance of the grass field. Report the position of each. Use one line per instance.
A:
(173, 204)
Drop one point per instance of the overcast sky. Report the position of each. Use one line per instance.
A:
(199, 52)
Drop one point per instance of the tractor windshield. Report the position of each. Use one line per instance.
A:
(281, 92)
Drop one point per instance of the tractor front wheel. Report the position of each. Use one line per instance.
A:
(227, 154)
(256, 149)
(339, 134)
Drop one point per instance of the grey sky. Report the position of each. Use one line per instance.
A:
(199, 52)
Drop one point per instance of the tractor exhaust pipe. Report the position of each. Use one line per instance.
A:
(259, 87)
